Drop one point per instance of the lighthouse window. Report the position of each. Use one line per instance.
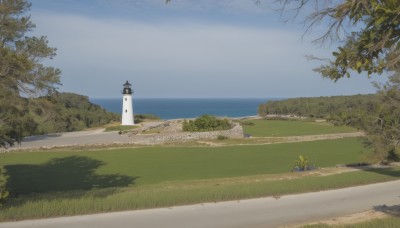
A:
(126, 99)
(126, 111)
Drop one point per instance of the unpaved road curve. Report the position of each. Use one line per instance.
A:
(77, 138)
(98, 137)
(262, 212)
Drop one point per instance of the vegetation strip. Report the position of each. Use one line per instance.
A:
(389, 222)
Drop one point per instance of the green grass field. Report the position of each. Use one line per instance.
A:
(270, 128)
(179, 193)
(44, 171)
(48, 183)
(58, 183)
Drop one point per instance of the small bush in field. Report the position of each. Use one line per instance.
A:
(206, 123)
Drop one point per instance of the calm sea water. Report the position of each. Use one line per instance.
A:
(173, 108)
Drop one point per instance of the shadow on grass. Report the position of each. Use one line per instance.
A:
(390, 210)
(389, 171)
(73, 173)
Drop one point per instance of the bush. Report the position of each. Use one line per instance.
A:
(206, 123)
(302, 164)
(392, 156)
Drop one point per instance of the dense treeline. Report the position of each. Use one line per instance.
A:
(378, 115)
(340, 109)
(63, 112)
(371, 48)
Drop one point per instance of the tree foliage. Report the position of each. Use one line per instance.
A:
(331, 108)
(383, 127)
(368, 31)
(376, 114)
(62, 112)
(369, 35)
(22, 74)
(206, 123)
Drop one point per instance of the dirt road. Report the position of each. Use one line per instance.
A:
(99, 137)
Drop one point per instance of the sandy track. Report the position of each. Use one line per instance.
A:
(99, 137)
(93, 137)
(78, 138)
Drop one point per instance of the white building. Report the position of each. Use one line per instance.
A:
(127, 109)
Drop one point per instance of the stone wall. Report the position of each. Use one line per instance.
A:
(235, 132)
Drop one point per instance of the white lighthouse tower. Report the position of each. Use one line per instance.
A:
(127, 110)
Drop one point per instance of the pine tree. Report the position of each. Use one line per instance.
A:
(22, 74)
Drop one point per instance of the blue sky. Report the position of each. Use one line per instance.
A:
(184, 49)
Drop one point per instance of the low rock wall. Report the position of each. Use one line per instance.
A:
(235, 132)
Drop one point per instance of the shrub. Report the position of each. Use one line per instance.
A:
(302, 164)
(392, 156)
(206, 123)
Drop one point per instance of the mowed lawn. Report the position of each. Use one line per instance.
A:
(49, 184)
(270, 128)
(59, 183)
(42, 172)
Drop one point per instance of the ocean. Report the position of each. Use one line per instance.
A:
(174, 108)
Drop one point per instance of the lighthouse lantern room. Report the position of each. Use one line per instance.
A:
(127, 109)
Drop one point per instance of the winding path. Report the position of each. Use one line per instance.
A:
(262, 212)
(78, 138)
(99, 137)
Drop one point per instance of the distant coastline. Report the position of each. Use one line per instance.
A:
(176, 108)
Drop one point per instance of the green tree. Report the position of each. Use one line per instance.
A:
(22, 74)
(383, 128)
(368, 31)
(369, 35)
